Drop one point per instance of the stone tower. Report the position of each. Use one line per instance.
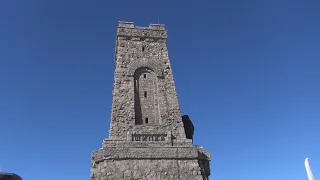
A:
(148, 138)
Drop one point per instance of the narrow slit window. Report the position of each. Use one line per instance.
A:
(142, 48)
(145, 75)
(145, 94)
(147, 120)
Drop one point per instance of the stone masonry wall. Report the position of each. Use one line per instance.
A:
(147, 140)
(138, 47)
(147, 170)
(115, 162)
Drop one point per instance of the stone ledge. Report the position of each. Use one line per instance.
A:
(147, 33)
(117, 153)
(123, 143)
(125, 24)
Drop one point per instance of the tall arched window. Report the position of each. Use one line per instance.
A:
(145, 97)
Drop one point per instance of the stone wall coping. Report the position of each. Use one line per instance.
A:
(117, 153)
(124, 24)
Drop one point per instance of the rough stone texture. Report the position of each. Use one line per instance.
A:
(142, 51)
(163, 169)
(147, 137)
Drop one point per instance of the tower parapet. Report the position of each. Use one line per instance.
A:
(155, 31)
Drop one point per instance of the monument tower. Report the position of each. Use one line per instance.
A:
(148, 138)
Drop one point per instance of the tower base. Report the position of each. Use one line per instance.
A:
(150, 163)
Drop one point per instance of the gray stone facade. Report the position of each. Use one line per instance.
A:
(147, 137)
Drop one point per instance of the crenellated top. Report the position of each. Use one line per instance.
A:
(128, 29)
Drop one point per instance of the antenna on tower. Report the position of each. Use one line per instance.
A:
(158, 19)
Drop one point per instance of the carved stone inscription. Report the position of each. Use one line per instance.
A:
(149, 137)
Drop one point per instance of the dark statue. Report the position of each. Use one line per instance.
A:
(188, 126)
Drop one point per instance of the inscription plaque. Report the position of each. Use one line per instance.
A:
(148, 137)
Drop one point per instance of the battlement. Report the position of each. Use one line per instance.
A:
(125, 24)
(128, 29)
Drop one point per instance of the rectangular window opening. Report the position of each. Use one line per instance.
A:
(145, 75)
(147, 120)
(145, 94)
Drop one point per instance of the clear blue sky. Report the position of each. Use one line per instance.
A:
(247, 73)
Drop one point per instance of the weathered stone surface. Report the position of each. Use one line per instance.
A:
(147, 153)
(142, 65)
(144, 169)
(147, 137)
